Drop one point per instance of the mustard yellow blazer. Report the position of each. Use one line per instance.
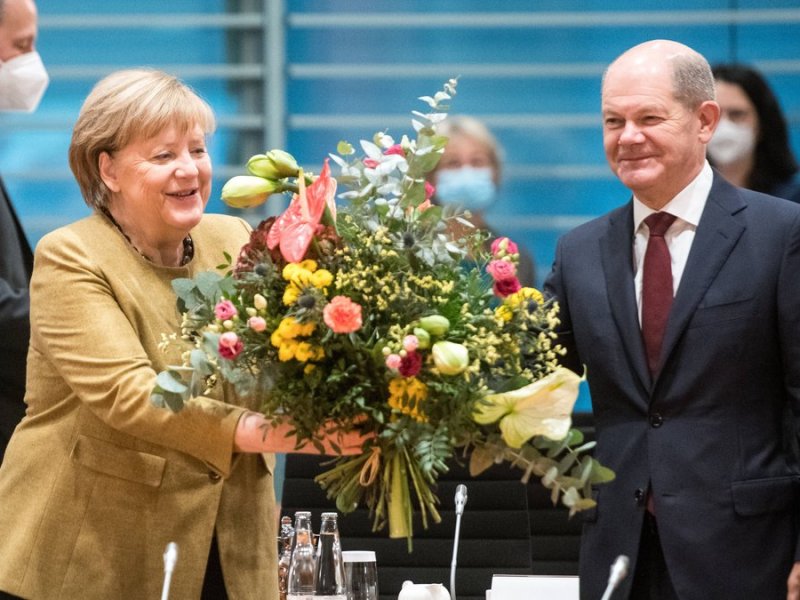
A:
(97, 481)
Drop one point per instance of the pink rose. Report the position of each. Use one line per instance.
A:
(342, 315)
(257, 324)
(393, 361)
(501, 269)
(506, 287)
(505, 245)
(370, 163)
(410, 364)
(396, 149)
(225, 310)
(429, 191)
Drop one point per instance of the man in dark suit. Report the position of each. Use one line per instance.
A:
(688, 324)
(22, 83)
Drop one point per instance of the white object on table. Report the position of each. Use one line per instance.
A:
(533, 587)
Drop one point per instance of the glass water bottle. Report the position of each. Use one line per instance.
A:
(285, 542)
(329, 576)
(301, 567)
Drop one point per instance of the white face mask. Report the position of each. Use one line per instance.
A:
(23, 80)
(731, 142)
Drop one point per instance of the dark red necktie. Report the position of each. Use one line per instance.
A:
(656, 287)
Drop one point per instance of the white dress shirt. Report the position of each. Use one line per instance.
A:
(687, 206)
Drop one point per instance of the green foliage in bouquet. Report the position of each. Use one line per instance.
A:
(374, 314)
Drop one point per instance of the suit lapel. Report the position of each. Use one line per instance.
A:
(617, 255)
(717, 233)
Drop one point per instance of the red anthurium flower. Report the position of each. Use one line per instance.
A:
(295, 228)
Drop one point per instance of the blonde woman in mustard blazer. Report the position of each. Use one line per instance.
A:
(96, 480)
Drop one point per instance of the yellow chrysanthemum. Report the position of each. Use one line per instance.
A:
(406, 395)
(322, 278)
(291, 294)
(526, 293)
(504, 312)
(287, 350)
(305, 329)
(308, 265)
(304, 352)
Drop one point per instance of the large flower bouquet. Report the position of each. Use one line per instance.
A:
(375, 314)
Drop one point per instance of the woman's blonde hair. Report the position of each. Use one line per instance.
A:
(475, 129)
(124, 106)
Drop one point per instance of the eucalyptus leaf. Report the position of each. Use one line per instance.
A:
(168, 381)
(208, 284)
(174, 401)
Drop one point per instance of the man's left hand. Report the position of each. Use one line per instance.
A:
(793, 584)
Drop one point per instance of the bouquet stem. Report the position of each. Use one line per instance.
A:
(399, 501)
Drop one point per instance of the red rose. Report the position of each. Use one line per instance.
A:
(410, 364)
(506, 287)
(231, 352)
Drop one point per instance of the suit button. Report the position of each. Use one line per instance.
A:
(214, 477)
(639, 496)
(656, 420)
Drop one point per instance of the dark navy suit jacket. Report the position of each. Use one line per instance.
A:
(16, 263)
(709, 432)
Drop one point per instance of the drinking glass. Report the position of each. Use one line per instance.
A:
(362, 574)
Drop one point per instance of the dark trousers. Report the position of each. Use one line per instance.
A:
(213, 583)
(651, 581)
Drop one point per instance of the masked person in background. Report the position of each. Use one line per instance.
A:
(23, 80)
(468, 176)
(751, 145)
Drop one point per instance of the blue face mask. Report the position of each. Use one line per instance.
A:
(468, 187)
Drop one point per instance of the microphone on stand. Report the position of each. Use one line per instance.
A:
(461, 501)
(619, 571)
(170, 558)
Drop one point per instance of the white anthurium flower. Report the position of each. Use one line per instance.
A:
(391, 188)
(432, 117)
(373, 176)
(390, 162)
(371, 150)
(539, 408)
(338, 160)
(384, 140)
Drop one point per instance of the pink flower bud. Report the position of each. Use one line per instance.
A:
(393, 361)
(503, 246)
(410, 343)
(429, 190)
(257, 324)
(228, 339)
